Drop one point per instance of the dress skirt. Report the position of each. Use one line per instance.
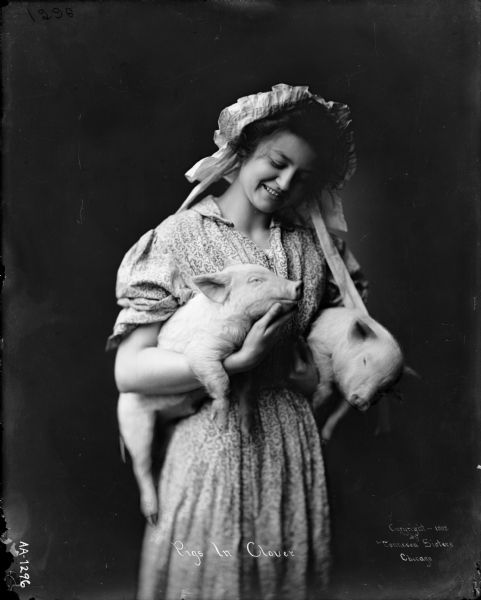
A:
(241, 516)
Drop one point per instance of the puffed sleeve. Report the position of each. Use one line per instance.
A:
(332, 296)
(149, 286)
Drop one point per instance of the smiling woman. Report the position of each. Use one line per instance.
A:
(274, 176)
(284, 158)
(265, 487)
(309, 121)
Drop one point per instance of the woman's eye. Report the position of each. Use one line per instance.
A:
(276, 164)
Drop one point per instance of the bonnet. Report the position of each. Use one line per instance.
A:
(224, 163)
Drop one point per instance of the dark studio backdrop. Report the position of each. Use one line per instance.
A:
(106, 105)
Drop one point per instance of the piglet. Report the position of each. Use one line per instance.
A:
(356, 357)
(207, 329)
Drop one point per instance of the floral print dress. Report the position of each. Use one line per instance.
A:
(240, 516)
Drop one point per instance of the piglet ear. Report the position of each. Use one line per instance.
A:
(215, 286)
(231, 262)
(360, 331)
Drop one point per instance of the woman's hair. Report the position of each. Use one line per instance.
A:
(308, 120)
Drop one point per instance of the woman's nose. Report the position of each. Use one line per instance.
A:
(284, 179)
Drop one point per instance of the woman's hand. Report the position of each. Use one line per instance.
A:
(304, 376)
(259, 341)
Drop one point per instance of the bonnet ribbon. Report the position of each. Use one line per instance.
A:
(325, 211)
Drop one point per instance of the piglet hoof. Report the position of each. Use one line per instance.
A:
(152, 519)
(149, 507)
(246, 423)
(219, 416)
(326, 434)
(245, 429)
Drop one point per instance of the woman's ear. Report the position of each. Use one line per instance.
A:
(216, 286)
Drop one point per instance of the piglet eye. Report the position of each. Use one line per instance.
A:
(364, 361)
(254, 280)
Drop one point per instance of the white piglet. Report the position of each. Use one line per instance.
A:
(207, 329)
(355, 356)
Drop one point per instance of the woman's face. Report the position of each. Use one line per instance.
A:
(278, 172)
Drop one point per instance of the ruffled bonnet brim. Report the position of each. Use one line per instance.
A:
(224, 164)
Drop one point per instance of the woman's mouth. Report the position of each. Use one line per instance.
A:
(272, 192)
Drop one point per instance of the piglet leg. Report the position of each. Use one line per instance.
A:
(322, 360)
(136, 423)
(333, 420)
(216, 382)
(244, 390)
(322, 394)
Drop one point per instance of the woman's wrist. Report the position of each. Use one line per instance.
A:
(233, 365)
(237, 363)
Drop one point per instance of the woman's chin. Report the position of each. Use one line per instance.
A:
(267, 204)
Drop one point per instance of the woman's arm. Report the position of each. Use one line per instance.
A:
(143, 368)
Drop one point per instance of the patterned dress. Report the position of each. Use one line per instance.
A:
(241, 516)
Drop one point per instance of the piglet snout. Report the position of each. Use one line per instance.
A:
(358, 402)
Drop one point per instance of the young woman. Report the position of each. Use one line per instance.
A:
(243, 516)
